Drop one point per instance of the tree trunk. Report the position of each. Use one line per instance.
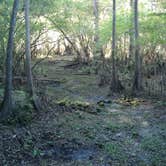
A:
(131, 32)
(113, 44)
(137, 85)
(115, 82)
(96, 23)
(28, 68)
(28, 51)
(6, 109)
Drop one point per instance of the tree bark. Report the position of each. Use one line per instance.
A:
(30, 88)
(28, 51)
(96, 22)
(113, 44)
(113, 80)
(6, 108)
(131, 32)
(137, 85)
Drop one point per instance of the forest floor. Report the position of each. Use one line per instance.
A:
(82, 126)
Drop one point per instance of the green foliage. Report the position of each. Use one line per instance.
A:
(23, 110)
(23, 114)
(153, 29)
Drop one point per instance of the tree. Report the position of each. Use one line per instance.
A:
(113, 46)
(96, 23)
(28, 68)
(28, 51)
(7, 104)
(131, 30)
(137, 85)
(115, 83)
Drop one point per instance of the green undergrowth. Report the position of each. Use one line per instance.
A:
(23, 110)
(155, 147)
(117, 127)
(116, 152)
(160, 104)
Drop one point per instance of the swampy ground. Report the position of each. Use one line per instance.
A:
(82, 126)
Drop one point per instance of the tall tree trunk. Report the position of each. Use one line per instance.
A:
(6, 109)
(28, 68)
(137, 85)
(96, 23)
(113, 44)
(28, 51)
(113, 80)
(131, 32)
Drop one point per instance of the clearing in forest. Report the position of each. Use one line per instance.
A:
(81, 126)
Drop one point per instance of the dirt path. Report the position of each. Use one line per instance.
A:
(85, 128)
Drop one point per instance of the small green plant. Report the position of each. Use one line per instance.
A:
(36, 152)
(22, 110)
(113, 149)
(135, 134)
(116, 152)
(113, 127)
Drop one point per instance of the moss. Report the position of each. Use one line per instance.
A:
(75, 105)
(101, 104)
(129, 101)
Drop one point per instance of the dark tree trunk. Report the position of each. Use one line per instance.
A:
(6, 109)
(113, 44)
(137, 85)
(115, 82)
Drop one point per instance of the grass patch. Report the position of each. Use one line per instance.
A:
(116, 152)
(160, 104)
(155, 146)
(152, 144)
(117, 126)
